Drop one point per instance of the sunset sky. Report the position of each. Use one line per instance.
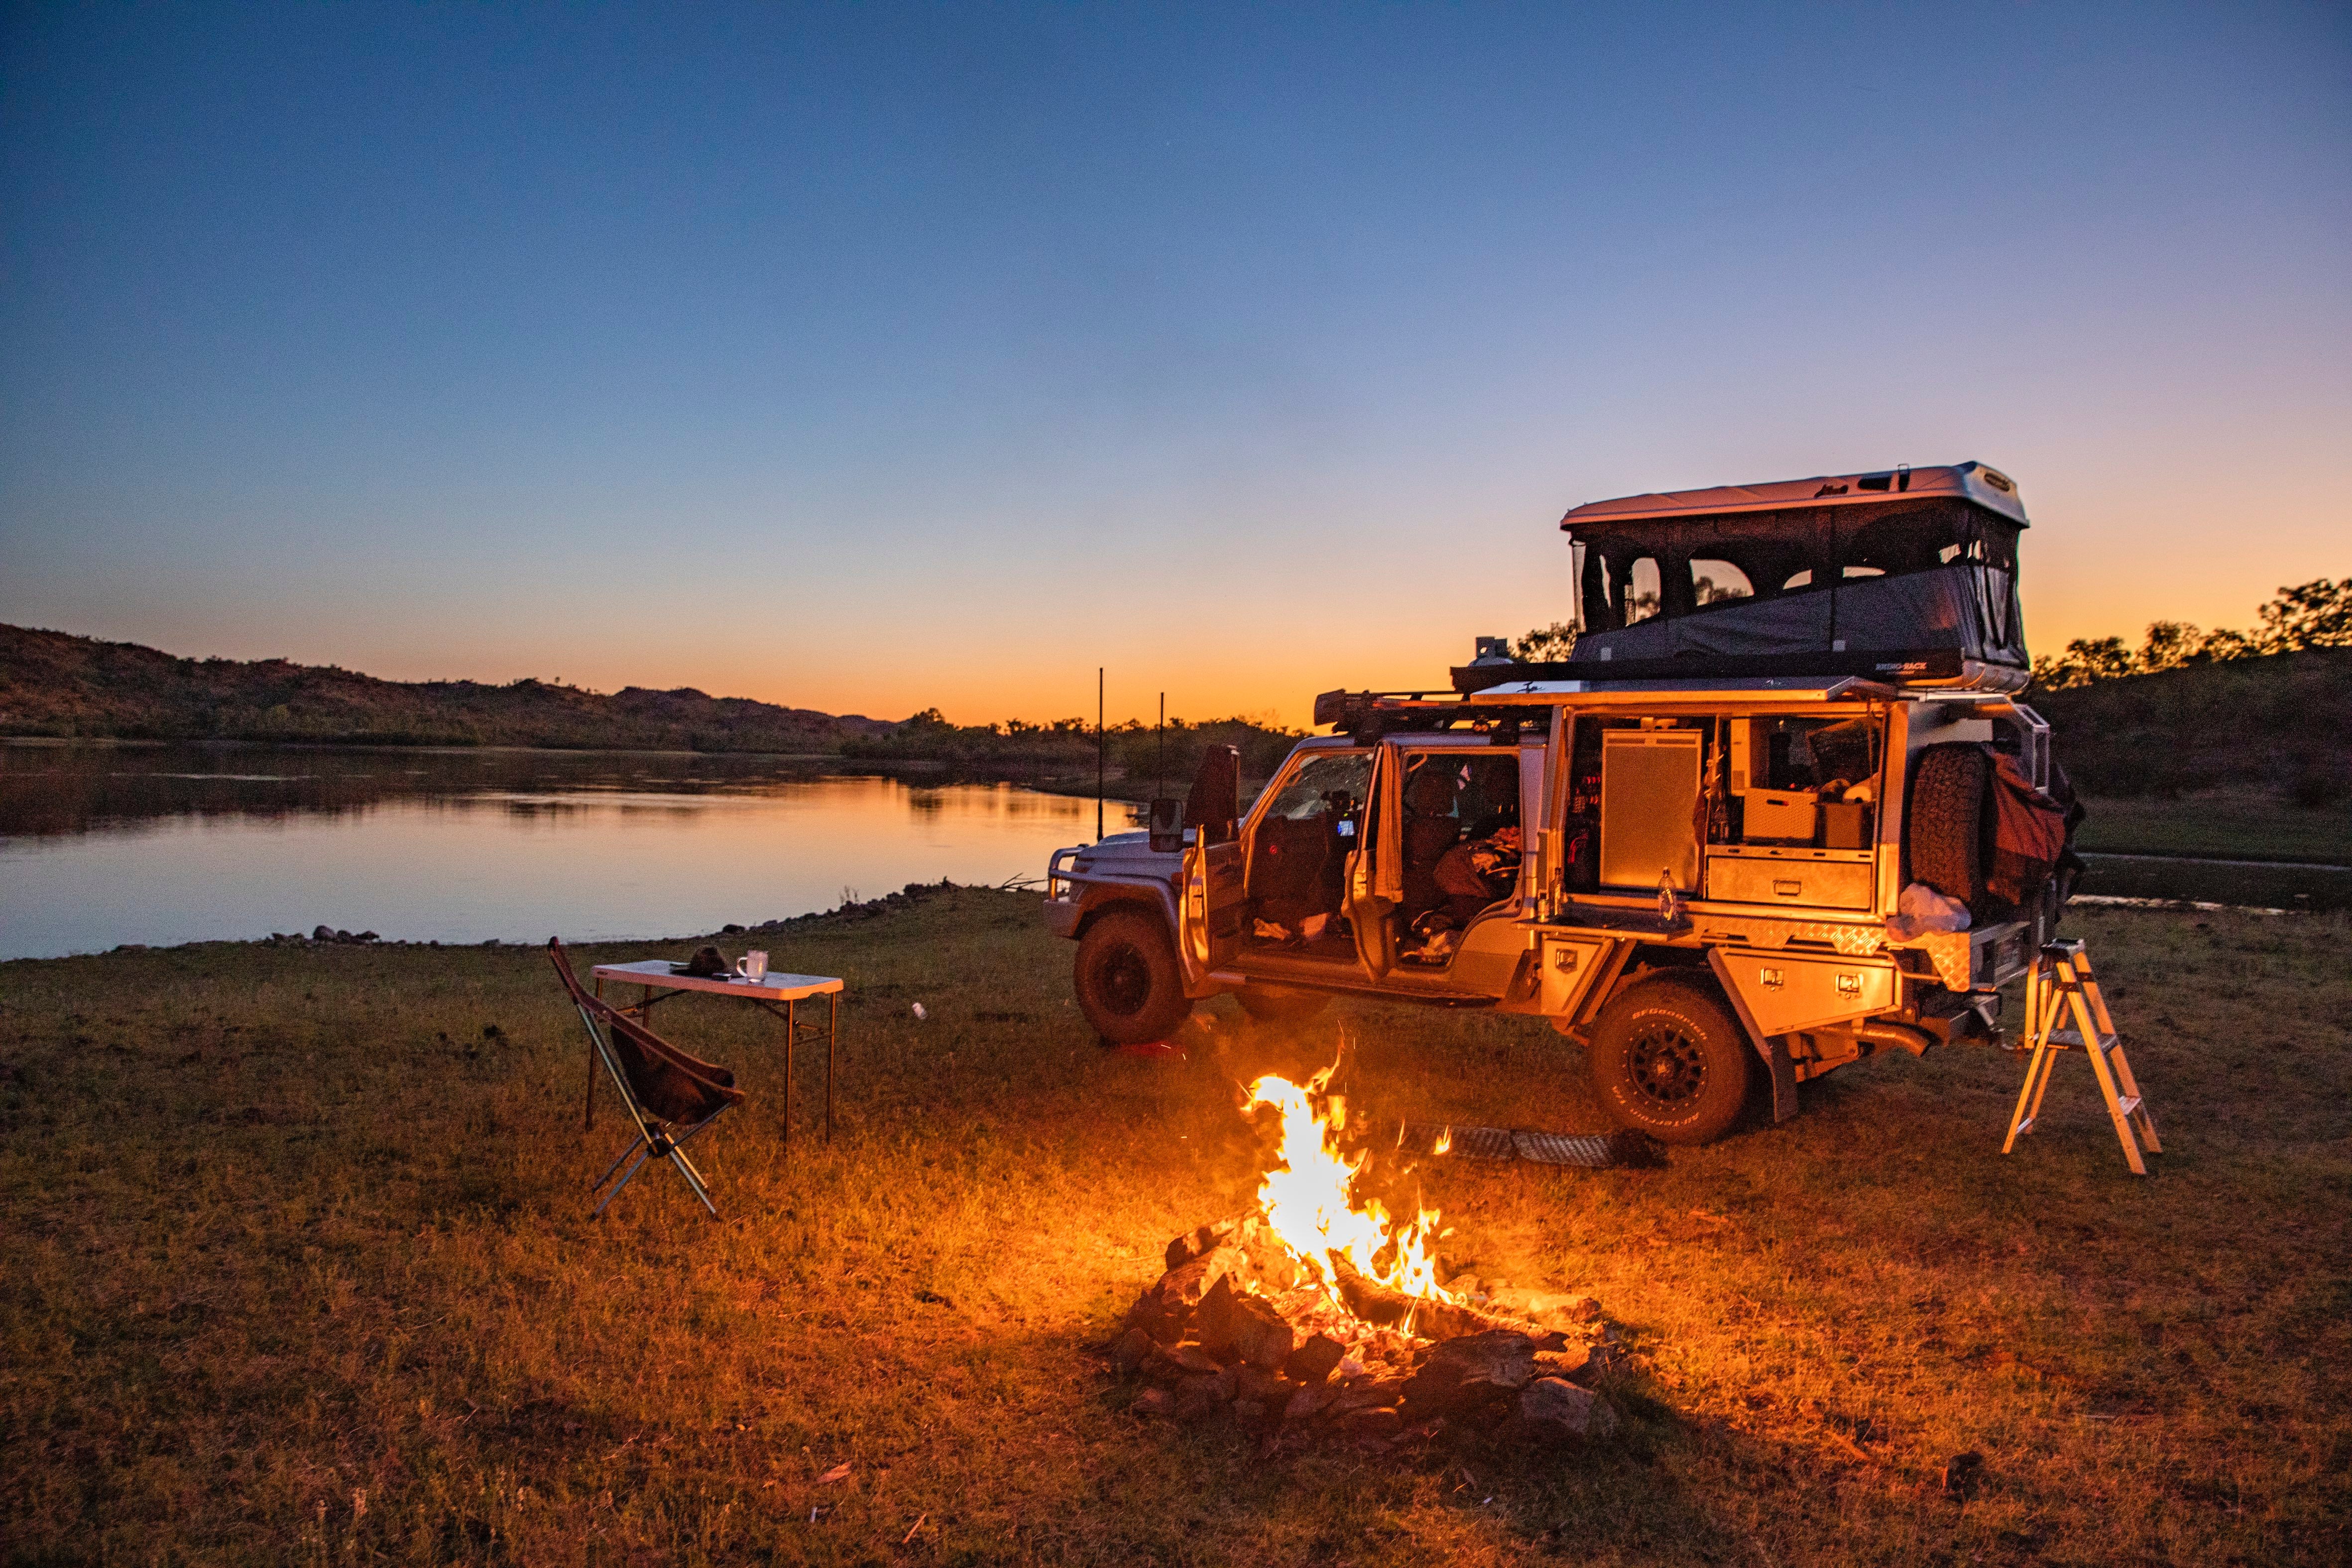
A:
(873, 358)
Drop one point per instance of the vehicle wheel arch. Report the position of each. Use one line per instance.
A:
(1650, 964)
(1108, 900)
(1645, 963)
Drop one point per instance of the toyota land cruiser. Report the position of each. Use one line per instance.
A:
(1780, 810)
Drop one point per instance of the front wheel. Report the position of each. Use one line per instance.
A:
(1669, 1060)
(1130, 985)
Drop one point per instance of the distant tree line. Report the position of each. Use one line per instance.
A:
(2318, 615)
(1134, 750)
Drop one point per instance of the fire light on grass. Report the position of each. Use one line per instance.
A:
(1307, 1200)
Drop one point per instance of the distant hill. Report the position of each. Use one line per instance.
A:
(2282, 724)
(53, 684)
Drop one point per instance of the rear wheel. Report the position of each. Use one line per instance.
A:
(1274, 1006)
(1668, 1059)
(1130, 985)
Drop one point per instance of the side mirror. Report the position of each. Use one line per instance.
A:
(1214, 805)
(1167, 826)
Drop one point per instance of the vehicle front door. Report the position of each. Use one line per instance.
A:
(1301, 834)
(1374, 876)
(1213, 911)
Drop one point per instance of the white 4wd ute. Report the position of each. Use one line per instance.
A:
(1778, 812)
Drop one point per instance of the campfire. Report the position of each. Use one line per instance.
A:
(1316, 1315)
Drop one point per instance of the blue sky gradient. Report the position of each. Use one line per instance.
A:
(869, 358)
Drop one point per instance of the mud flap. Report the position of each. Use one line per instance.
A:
(1773, 1048)
(1784, 1077)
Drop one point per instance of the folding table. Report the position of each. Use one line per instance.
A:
(779, 994)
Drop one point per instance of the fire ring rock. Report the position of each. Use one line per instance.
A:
(1260, 1334)
(1474, 1370)
(1212, 1319)
(1561, 1411)
(1171, 1364)
(1202, 1394)
(1574, 1364)
(1196, 1241)
(1316, 1360)
(1308, 1403)
(1129, 1352)
(1189, 1281)
(1544, 1307)
(1164, 1309)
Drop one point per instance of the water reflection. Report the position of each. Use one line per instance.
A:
(103, 844)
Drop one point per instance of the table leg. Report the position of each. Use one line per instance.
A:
(588, 1106)
(831, 1035)
(791, 1029)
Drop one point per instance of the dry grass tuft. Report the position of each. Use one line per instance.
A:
(300, 1272)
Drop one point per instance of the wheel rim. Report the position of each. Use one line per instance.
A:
(1123, 980)
(1667, 1066)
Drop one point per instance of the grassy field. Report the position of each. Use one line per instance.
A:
(2223, 826)
(2242, 826)
(300, 1272)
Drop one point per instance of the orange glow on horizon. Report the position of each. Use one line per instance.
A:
(1237, 642)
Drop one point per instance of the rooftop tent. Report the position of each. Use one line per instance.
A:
(1908, 575)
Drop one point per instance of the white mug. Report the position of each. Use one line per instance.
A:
(752, 966)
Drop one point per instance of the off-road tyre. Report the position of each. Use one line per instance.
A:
(1130, 985)
(1944, 831)
(1669, 1060)
(1272, 1005)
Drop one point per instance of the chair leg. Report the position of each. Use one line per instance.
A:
(693, 1179)
(625, 1181)
(687, 1166)
(626, 1150)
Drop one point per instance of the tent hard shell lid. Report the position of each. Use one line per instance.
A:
(1987, 487)
(1908, 575)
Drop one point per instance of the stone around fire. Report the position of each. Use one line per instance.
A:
(1476, 1369)
(1230, 1333)
(1561, 1411)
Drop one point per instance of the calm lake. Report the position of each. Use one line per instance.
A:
(106, 844)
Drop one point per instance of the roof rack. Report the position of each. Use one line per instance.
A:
(1518, 687)
(1368, 715)
(1501, 708)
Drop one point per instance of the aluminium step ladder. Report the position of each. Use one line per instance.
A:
(2060, 985)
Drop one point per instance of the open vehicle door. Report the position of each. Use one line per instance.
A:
(1210, 914)
(1375, 872)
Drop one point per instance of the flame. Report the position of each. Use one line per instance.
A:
(1306, 1201)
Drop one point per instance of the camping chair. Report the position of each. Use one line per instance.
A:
(669, 1095)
